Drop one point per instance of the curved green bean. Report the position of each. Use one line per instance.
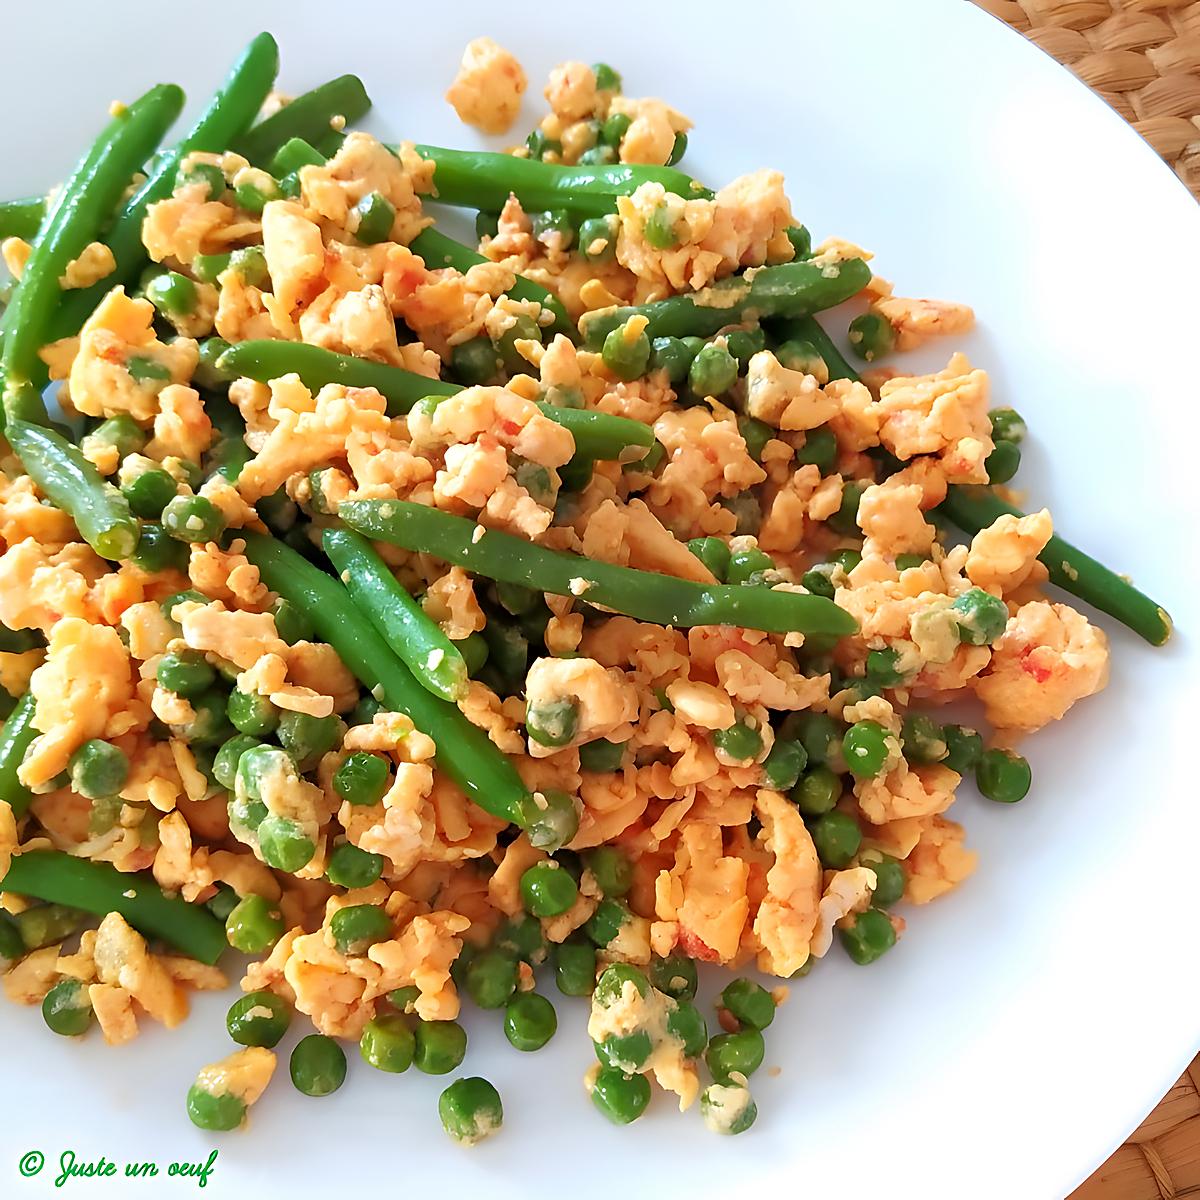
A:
(438, 250)
(464, 752)
(229, 112)
(15, 737)
(80, 208)
(99, 888)
(428, 653)
(22, 218)
(72, 484)
(646, 595)
(789, 290)
(306, 117)
(482, 180)
(975, 508)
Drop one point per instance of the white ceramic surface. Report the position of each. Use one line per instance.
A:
(1028, 1021)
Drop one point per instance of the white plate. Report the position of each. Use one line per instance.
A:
(1028, 1021)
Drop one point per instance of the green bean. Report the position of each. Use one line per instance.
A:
(464, 752)
(809, 329)
(80, 208)
(15, 739)
(482, 180)
(229, 112)
(71, 483)
(973, 509)
(22, 218)
(646, 595)
(428, 653)
(99, 888)
(597, 435)
(307, 117)
(789, 290)
(437, 250)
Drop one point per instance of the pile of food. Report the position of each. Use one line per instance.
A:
(416, 618)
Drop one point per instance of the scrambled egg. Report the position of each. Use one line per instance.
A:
(488, 88)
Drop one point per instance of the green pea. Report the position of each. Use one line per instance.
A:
(284, 845)
(612, 870)
(818, 582)
(744, 565)
(601, 755)
(595, 156)
(685, 1023)
(487, 225)
(845, 520)
(801, 355)
(362, 778)
(615, 126)
(626, 356)
(376, 216)
(227, 758)
(905, 562)
(290, 623)
(553, 226)
(890, 877)
(317, 1065)
(673, 355)
(818, 733)
(727, 1109)
(552, 722)
(820, 449)
(258, 1019)
(847, 560)
(735, 1053)
(1001, 465)
(145, 370)
(871, 335)
(713, 552)
(837, 837)
(621, 1098)
(575, 967)
(756, 434)
(307, 738)
(676, 975)
(678, 149)
(404, 999)
(1008, 425)
(217, 1114)
(193, 519)
(210, 725)
(207, 374)
(554, 822)
(185, 672)
(150, 492)
(208, 268)
(749, 1002)
(547, 890)
(254, 197)
(439, 1046)
(607, 79)
(529, 1021)
(13, 948)
(818, 791)
(524, 328)
(251, 713)
(744, 344)
(801, 240)
(222, 903)
(539, 144)
(713, 371)
(46, 924)
(352, 867)
(963, 748)
(522, 937)
(868, 935)
(208, 174)
(474, 650)
(475, 362)
(357, 927)
(1003, 776)
(659, 229)
(598, 238)
(492, 978)
(173, 294)
(611, 985)
(98, 769)
(981, 617)
(66, 1008)
(387, 1043)
(606, 922)
(470, 1110)
(363, 713)
(865, 748)
(626, 1051)
(157, 551)
(120, 431)
(278, 511)
(738, 742)
(922, 739)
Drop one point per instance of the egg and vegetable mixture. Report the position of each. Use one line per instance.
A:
(437, 623)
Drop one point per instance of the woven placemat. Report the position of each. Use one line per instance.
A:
(1143, 57)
